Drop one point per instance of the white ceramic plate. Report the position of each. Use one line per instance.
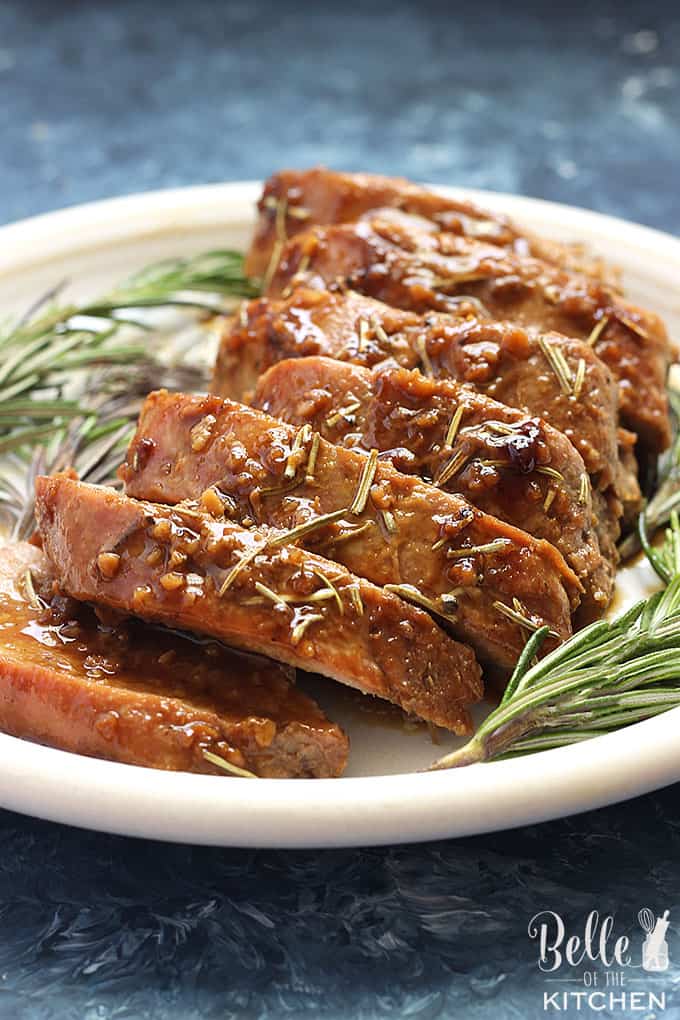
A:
(384, 797)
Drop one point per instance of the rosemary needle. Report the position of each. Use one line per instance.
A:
(227, 766)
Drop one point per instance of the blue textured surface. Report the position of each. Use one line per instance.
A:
(99, 99)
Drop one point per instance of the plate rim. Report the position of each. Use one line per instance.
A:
(355, 811)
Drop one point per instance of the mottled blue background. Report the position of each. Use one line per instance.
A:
(580, 105)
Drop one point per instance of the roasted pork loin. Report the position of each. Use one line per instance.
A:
(473, 569)
(294, 200)
(181, 567)
(512, 466)
(128, 692)
(497, 359)
(403, 261)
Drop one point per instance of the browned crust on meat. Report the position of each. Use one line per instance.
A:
(422, 270)
(497, 359)
(422, 542)
(177, 568)
(294, 200)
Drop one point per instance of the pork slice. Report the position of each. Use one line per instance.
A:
(510, 465)
(128, 692)
(294, 200)
(183, 568)
(410, 267)
(392, 529)
(500, 360)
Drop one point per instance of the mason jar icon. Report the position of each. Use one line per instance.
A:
(655, 947)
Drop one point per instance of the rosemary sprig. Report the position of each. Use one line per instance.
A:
(610, 674)
(40, 353)
(72, 376)
(666, 498)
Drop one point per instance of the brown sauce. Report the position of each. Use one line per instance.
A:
(69, 638)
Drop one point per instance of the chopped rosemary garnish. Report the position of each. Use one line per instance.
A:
(469, 299)
(302, 437)
(487, 463)
(329, 591)
(281, 488)
(632, 325)
(597, 330)
(389, 521)
(584, 489)
(347, 534)
(454, 425)
(549, 472)
(549, 498)
(379, 331)
(363, 331)
(330, 587)
(311, 460)
(280, 206)
(31, 594)
(244, 560)
(452, 467)
(222, 763)
(610, 674)
(423, 354)
(293, 534)
(344, 412)
(192, 512)
(320, 595)
(558, 363)
(365, 482)
(300, 628)
(580, 376)
(517, 617)
(274, 596)
(497, 545)
(303, 266)
(355, 596)
(443, 606)
(500, 428)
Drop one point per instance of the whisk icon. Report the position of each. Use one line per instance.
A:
(655, 947)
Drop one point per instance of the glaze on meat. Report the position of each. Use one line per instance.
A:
(181, 567)
(402, 261)
(409, 533)
(294, 200)
(119, 689)
(512, 466)
(497, 359)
